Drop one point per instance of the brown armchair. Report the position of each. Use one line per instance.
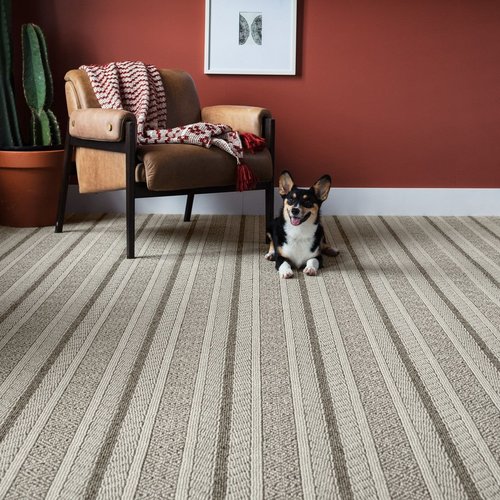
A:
(101, 146)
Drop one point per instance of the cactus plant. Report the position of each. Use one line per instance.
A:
(37, 84)
(38, 87)
(9, 125)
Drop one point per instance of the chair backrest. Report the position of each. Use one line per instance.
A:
(183, 104)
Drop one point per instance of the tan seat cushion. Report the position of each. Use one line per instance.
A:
(171, 167)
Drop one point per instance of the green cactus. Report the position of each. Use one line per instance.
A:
(9, 125)
(37, 84)
(38, 87)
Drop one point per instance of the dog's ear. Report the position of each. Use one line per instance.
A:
(322, 187)
(285, 183)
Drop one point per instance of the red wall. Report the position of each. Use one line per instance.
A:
(389, 93)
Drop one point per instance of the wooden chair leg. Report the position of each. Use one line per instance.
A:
(130, 188)
(269, 205)
(63, 193)
(269, 209)
(189, 207)
(130, 215)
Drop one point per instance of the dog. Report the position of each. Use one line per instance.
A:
(297, 236)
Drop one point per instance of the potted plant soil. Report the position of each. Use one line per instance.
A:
(29, 174)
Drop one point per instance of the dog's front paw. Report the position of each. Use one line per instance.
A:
(312, 266)
(310, 271)
(269, 256)
(285, 270)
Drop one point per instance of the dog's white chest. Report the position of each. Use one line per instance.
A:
(299, 240)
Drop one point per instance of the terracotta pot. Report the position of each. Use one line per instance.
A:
(29, 187)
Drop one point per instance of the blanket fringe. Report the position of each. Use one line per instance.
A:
(245, 178)
(252, 142)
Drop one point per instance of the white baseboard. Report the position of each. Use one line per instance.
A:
(342, 201)
(413, 201)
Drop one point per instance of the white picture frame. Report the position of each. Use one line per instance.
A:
(250, 37)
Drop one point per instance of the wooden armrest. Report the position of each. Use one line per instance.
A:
(99, 124)
(240, 118)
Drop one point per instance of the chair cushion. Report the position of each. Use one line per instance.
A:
(172, 167)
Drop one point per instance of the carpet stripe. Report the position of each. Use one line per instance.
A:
(73, 403)
(28, 443)
(486, 375)
(336, 448)
(481, 224)
(304, 450)
(38, 391)
(450, 289)
(29, 312)
(219, 487)
(112, 364)
(389, 424)
(38, 279)
(358, 442)
(20, 260)
(495, 362)
(239, 460)
(475, 241)
(438, 422)
(368, 478)
(172, 320)
(128, 438)
(12, 256)
(71, 406)
(40, 268)
(18, 240)
(441, 389)
(24, 394)
(109, 442)
(88, 356)
(470, 437)
(316, 424)
(205, 451)
(282, 475)
(463, 268)
(256, 472)
(375, 325)
(314, 409)
(19, 269)
(476, 235)
(465, 254)
(189, 481)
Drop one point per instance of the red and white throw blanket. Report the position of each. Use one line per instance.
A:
(138, 88)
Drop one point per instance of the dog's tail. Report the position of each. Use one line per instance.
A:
(326, 249)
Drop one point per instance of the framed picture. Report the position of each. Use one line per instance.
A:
(252, 37)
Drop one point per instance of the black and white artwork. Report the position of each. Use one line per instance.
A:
(250, 28)
(250, 37)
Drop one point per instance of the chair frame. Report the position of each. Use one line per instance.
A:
(135, 190)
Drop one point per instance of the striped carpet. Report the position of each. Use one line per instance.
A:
(193, 371)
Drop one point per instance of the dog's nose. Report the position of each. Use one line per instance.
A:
(295, 211)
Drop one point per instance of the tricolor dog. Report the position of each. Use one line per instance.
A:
(297, 236)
